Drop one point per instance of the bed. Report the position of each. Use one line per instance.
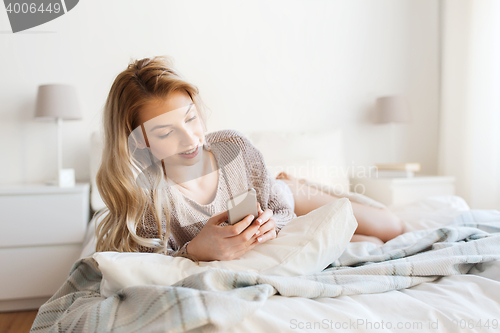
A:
(442, 275)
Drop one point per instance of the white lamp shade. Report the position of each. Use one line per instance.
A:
(392, 109)
(57, 101)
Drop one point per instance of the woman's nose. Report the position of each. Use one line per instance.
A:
(188, 138)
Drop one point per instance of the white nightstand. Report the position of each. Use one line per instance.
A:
(42, 230)
(397, 191)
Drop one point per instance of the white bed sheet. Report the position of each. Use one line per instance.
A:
(421, 308)
(445, 305)
(459, 303)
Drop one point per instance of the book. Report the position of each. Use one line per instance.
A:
(414, 167)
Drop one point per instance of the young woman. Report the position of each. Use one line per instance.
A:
(166, 183)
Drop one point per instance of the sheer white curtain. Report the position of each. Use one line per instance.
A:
(470, 99)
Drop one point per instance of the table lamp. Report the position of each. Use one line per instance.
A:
(59, 102)
(392, 110)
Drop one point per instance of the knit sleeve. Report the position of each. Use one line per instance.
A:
(148, 229)
(269, 194)
(181, 252)
(283, 213)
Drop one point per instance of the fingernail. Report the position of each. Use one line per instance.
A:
(259, 239)
(252, 217)
(259, 221)
(258, 232)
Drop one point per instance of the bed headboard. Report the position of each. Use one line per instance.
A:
(315, 155)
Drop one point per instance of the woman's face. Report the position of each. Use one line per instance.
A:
(173, 126)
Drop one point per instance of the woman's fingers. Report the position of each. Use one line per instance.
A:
(241, 231)
(243, 236)
(238, 227)
(264, 216)
(218, 218)
(268, 235)
(267, 232)
(270, 224)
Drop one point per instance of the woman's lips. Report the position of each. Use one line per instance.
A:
(193, 154)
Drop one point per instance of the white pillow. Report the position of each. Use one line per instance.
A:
(430, 212)
(306, 245)
(317, 156)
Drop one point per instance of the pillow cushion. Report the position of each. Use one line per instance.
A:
(430, 212)
(306, 245)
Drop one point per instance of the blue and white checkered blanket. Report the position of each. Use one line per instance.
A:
(219, 299)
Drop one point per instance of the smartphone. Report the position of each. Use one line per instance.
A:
(241, 205)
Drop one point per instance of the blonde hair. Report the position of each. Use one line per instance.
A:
(143, 81)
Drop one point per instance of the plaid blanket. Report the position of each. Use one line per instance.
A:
(219, 299)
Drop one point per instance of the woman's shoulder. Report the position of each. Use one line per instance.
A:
(233, 142)
(229, 137)
(226, 135)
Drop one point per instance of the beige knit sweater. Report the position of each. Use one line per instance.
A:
(241, 166)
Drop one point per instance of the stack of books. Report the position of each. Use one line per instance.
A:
(396, 170)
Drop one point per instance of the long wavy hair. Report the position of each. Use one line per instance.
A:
(127, 202)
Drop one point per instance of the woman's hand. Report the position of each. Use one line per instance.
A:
(215, 242)
(267, 229)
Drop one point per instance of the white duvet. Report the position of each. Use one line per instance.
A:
(448, 305)
(457, 303)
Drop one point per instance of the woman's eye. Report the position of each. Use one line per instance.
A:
(164, 136)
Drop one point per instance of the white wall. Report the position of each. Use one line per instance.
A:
(284, 65)
(470, 119)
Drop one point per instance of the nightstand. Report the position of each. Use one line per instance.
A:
(42, 230)
(397, 191)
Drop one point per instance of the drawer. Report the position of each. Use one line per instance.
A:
(35, 271)
(406, 194)
(42, 219)
(397, 191)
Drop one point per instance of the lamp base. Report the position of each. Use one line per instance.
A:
(66, 178)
